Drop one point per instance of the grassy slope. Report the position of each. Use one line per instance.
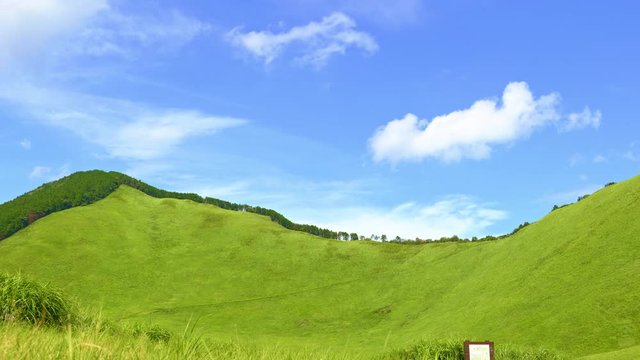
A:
(18, 341)
(632, 353)
(567, 282)
(86, 187)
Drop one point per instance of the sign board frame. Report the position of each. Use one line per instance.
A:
(467, 345)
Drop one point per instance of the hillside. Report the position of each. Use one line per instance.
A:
(86, 187)
(78, 189)
(568, 281)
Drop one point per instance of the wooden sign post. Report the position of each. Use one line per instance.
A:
(478, 350)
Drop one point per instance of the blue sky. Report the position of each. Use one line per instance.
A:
(406, 117)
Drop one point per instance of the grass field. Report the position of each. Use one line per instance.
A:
(39, 322)
(630, 353)
(24, 342)
(568, 282)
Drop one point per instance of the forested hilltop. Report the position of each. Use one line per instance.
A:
(87, 187)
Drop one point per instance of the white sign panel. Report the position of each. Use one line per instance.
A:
(479, 352)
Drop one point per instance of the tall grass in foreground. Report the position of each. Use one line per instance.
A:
(23, 300)
(37, 322)
(19, 341)
(454, 350)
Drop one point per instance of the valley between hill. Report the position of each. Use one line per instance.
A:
(567, 282)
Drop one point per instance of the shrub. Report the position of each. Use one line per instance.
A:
(432, 350)
(454, 350)
(580, 198)
(26, 301)
(510, 352)
(154, 333)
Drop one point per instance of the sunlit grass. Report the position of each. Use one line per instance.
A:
(567, 282)
(453, 349)
(22, 300)
(19, 341)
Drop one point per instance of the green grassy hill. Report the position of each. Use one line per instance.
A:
(86, 187)
(567, 282)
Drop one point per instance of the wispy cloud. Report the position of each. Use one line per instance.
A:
(576, 159)
(599, 159)
(27, 26)
(223, 191)
(470, 133)
(338, 205)
(580, 159)
(124, 129)
(454, 215)
(88, 28)
(117, 34)
(46, 173)
(67, 30)
(39, 171)
(25, 144)
(632, 154)
(582, 120)
(569, 196)
(281, 192)
(314, 43)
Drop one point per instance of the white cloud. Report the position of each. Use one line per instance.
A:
(467, 133)
(156, 133)
(599, 159)
(471, 133)
(29, 29)
(116, 34)
(454, 215)
(124, 129)
(582, 120)
(63, 30)
(26, 26)
(25, 144)
(576, 159)
(149, 170)
(570, 196)
(579, 159)
(61, 172)
(330, 205)
(315, 42)
(630, 155)
(285, 194)
(46, 173)
(39, 172)
(223, 191)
